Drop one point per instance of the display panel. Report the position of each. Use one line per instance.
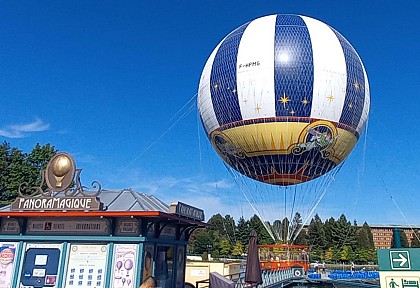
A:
(86, 266)
(40, 266)
(148, 261)
(7, 263)
(124, 266)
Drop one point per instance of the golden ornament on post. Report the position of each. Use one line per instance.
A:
(60, 167)
(60, 172)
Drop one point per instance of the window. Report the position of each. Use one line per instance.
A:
(164, 266)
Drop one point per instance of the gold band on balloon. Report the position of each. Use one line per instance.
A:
(280, 138)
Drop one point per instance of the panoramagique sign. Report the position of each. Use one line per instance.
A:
(56, 203)
(63, 181)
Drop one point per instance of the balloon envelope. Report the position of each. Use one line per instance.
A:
(283, 99)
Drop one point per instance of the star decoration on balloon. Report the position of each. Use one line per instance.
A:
(330, 97)
(356, 85)
(284, 99)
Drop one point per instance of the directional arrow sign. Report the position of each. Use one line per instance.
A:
(400, 260)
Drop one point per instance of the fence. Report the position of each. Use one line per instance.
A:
(270, 278)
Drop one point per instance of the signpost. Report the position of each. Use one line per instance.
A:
(399, 267)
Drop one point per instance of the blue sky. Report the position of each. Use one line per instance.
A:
(114, 83)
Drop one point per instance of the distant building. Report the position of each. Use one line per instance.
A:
(383, 234)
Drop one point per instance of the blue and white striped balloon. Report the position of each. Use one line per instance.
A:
(284, 98)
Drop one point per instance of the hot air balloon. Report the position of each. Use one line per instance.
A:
(283, 99)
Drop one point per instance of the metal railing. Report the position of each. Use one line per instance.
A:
(270, 278)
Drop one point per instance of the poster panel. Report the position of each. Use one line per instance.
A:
(180, 267)
(148, 255)
(124, 266)
(86, 266)
(7, 263)
(40, 265)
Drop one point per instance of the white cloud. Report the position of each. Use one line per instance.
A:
(11, 133)
(22, 130)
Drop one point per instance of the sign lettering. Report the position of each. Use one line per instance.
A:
(186, 211)
(56, 203)
(69, 226)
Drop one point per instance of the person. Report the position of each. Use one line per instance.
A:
(316, 267)
(323, 267)
(149, 282)
(352, 267)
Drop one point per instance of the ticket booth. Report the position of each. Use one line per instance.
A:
(69, 237)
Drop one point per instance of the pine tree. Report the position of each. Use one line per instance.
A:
(316, 238)
(343, 233)
(277, 230)
(285, 224)
(229, 228)
(404, 239)
(243, 231)
(316, 233)
(295, 227)
(19, 168)
(415, 243)
(4, 163)
(328, 228)
(263, 236)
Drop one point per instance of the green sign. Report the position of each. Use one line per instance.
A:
(399, 259)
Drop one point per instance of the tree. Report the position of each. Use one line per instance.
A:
(402, 237)
(345, 253)
(225, 247)
(4, 163)
(365, 246)
(38, 160)
(343, 233)
(316, 238)
(285, 224)
(18, 173)
(200, 241)
(415, 243)
(238, 249)
(17, 167)
(277, 229)
(330, 254)
(298, 236)
(316, 233)
(229, 228)
(242, 231)
(328, 228)
(263, 236)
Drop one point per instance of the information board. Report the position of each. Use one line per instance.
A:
(124, 266)
(40, 265)
(86, 266)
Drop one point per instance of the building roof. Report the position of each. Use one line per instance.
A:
(122, 200)
(116, 203)
(130, 200)
(392, 226)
